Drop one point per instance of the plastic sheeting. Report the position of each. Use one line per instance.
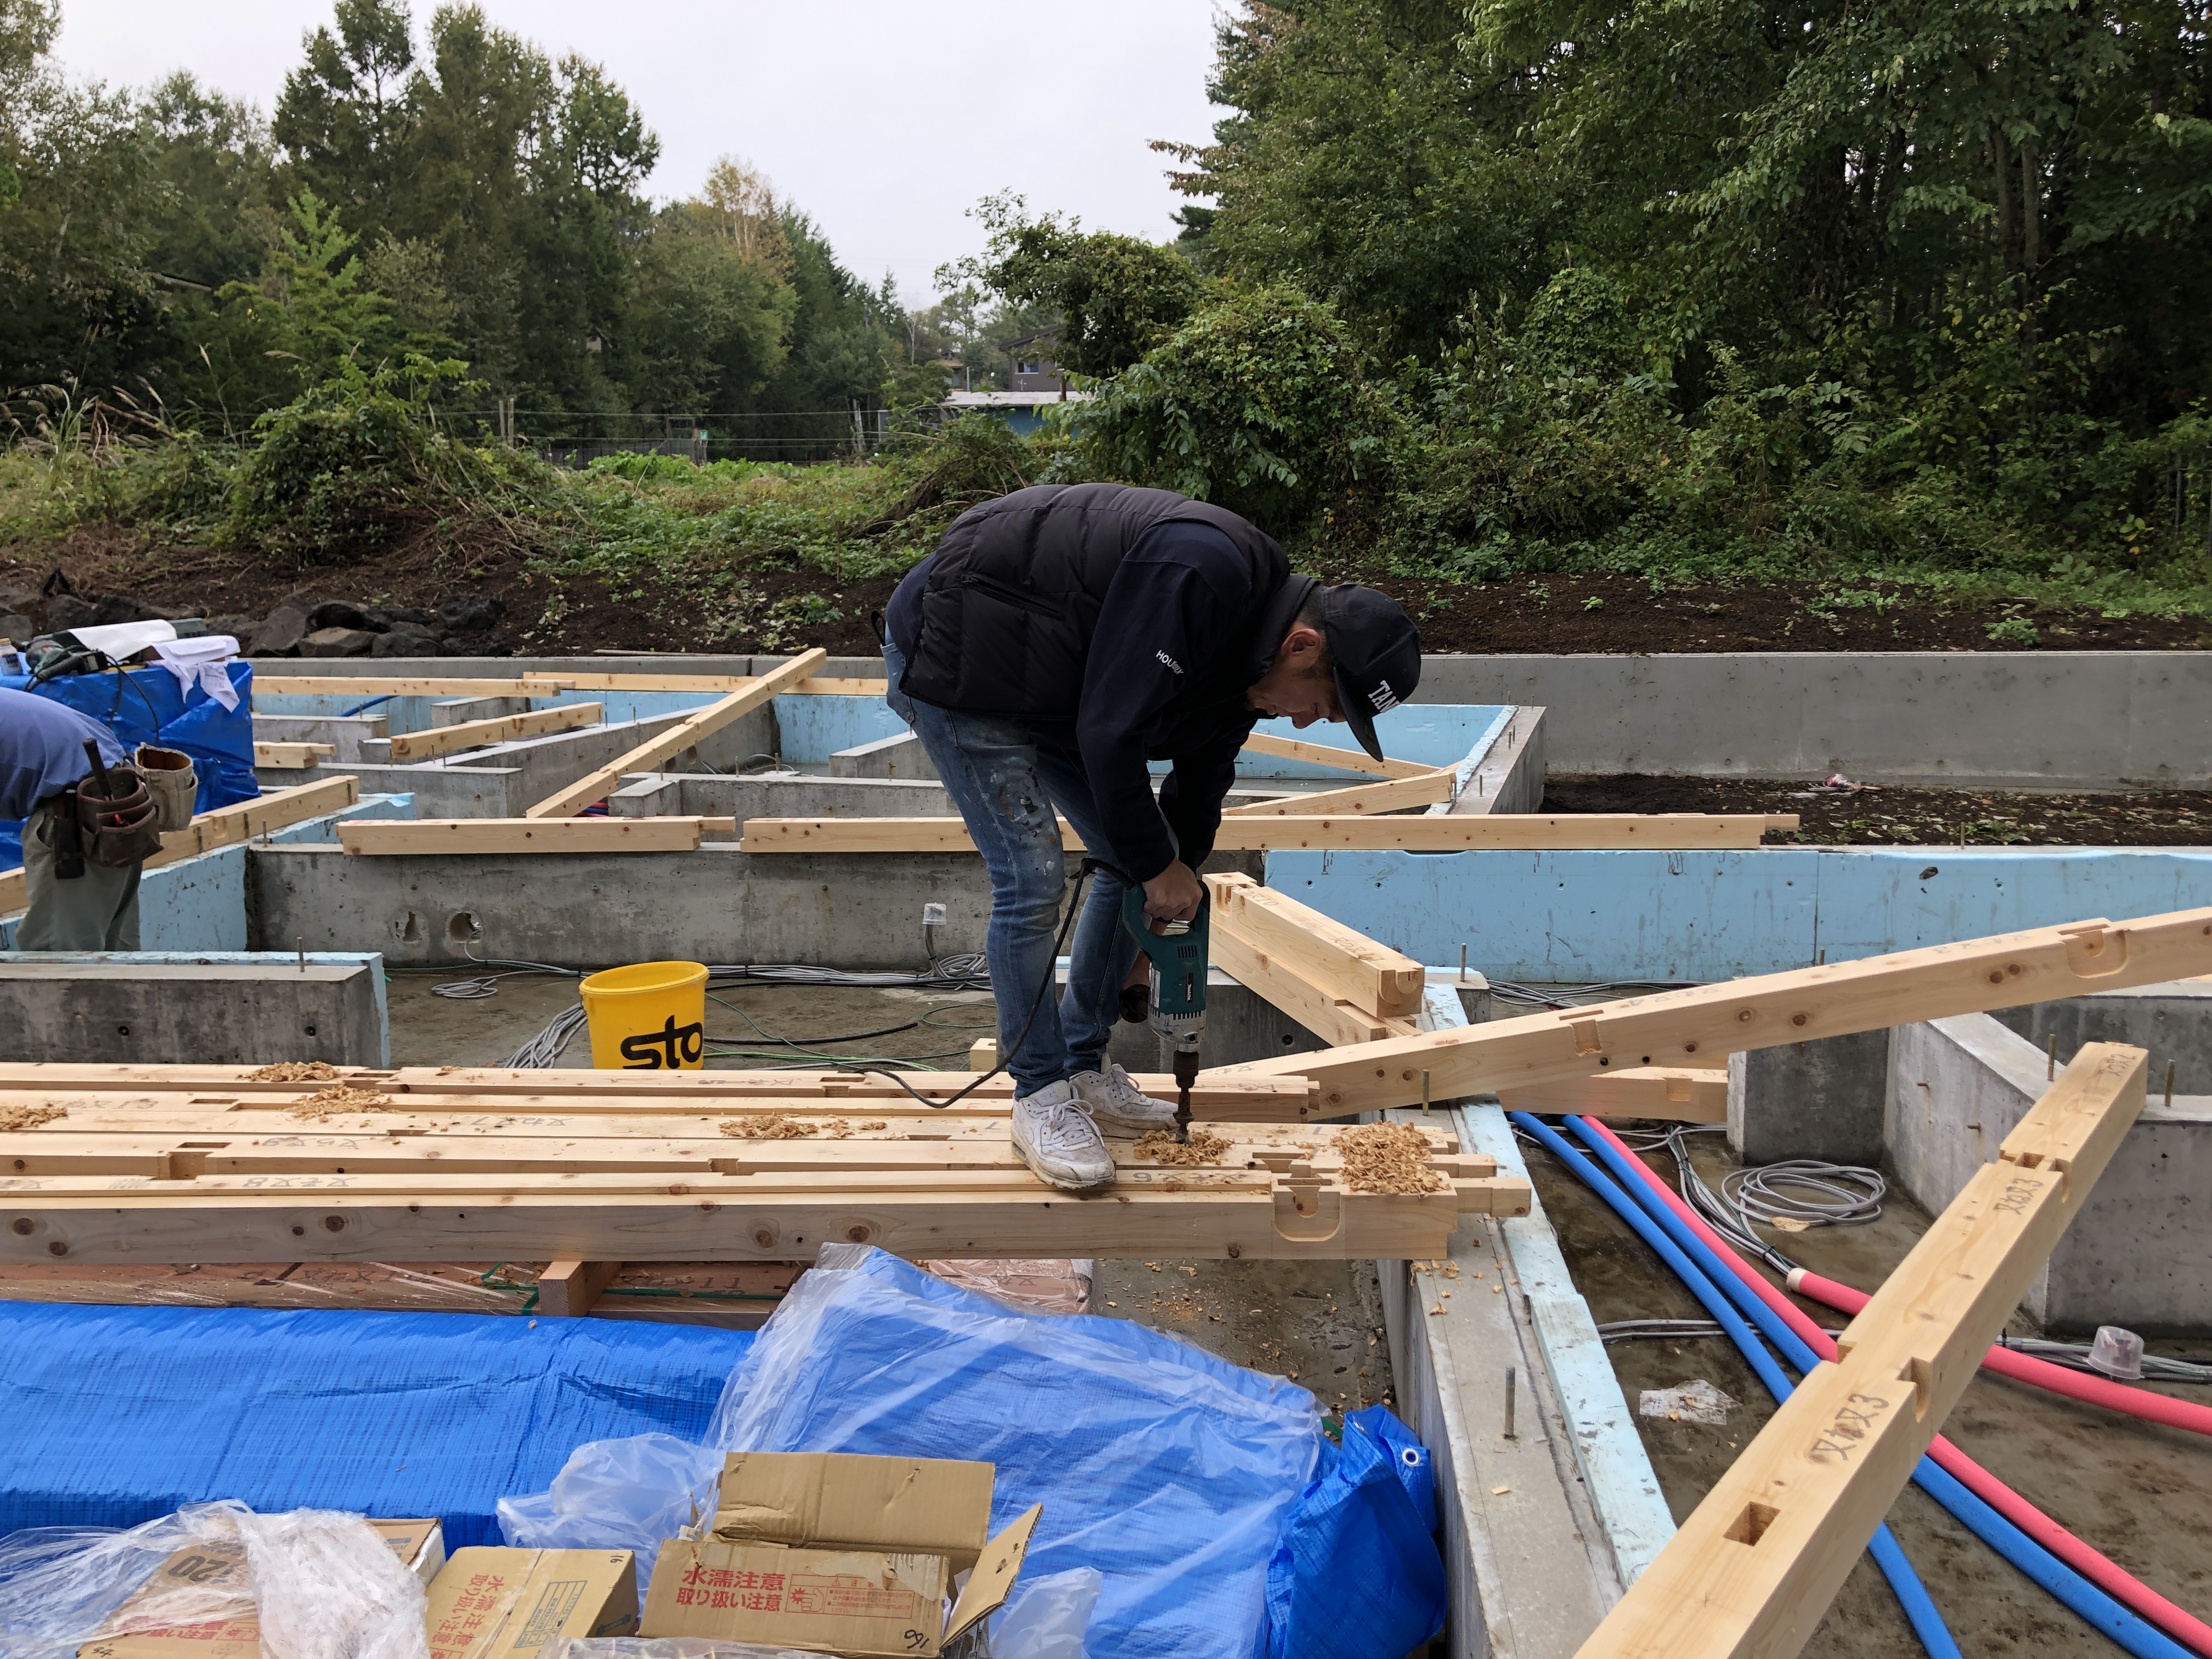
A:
(144, 705)
(1355, 1573)
(1206, 1495)
(1169, 1470)
(117, 1415)
(317, 1584)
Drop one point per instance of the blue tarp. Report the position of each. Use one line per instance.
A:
(116, 1415)
(144, 705)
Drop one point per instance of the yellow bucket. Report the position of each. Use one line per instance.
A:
(649, 1017)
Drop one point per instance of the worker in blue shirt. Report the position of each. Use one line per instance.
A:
(41, 756)
(1059, 640)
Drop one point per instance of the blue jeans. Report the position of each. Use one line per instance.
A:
(1007, 783)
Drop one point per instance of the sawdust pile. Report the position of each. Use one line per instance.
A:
(840, 1128)
(29, 1117)
(766, 1126)
(1388, 1158)
(296, 1071)
(1161, 1147)
(337, 1100)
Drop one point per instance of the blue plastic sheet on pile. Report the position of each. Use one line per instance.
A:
(115, 1415)
(1177, 1475)
(144, 705)
(1356, 1572)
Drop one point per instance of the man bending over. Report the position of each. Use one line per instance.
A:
(1057, 640)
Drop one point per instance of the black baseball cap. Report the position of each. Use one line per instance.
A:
(1377, 654)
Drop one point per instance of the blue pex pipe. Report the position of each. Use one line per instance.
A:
(1911, 1595)
(2107, 1615)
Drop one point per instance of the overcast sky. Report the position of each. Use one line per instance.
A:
(884, 119)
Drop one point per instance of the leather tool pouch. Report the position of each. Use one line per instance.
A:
(168, 773)
(60, 832)
(123, 830)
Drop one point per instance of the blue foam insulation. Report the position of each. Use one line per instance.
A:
(1582, 916)
(116, 1415)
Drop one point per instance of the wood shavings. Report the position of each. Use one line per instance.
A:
(1388, 1158)
(1161, 1147)
(767, 1126)
(296, 1071)
(29, 1117)
(337, 1100)
(842, 1128)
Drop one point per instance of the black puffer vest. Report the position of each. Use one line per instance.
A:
(1013, 593)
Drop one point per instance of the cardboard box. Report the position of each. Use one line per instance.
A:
(840, 1554)
(219, 1565)
(492, 1603)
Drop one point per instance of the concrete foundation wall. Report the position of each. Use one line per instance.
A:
(785, 795)
(504, 780)
(1576, 917)
(2139, 1254)
(2015, 719)
(1823, 1099)
(2012, 719)
(2172, 1021)
(716, 905)
(207, 1008)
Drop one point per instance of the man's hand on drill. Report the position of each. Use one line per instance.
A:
(1175, 894)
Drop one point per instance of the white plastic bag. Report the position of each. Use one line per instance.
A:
(325, 1586)
(1045, 1618)
(660, 1647)
(321, 1584)
(1698, 1401)
(627, 1494)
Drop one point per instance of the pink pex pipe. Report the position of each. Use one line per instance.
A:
(2107, 1575)
(2026, 1368)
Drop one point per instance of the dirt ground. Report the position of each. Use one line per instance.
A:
(2138, 1492)
(661, 611)
(1891, 815)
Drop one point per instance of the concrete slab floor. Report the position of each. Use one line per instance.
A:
(2140, 1492)
(1320, 1322)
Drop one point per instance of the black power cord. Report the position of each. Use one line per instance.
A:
(1091, 868)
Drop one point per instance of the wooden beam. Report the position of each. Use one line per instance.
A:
(815, 685)
(983, 1055)
(225, 826)
(1697, 1026)
(1353, 968)
(1753, 1569)
(361, 1186)
(1670, 1094)
(291, 757)
(566, 1289)
(472, 734)
(1440, 834)
(646, 755)
(1394, 796)
(1345, 760)
(553, 1094)
(364, 685)
(398, 837)
(1280, 984)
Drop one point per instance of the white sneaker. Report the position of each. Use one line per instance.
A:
(1118, 1105)
(1053, 1134)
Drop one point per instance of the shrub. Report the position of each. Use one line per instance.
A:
(1257, 404)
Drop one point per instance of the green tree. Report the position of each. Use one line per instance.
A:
(1117, 297)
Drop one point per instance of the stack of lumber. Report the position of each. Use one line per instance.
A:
(168, 1163)
(1333, 980)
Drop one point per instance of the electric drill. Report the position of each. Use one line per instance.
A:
(1177, 1002)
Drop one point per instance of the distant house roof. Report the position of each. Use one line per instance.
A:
(1009, 399)
(1050, 332)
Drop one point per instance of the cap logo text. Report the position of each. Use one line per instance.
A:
(1382, 697)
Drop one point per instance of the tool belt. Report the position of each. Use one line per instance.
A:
(168, 773)
(115, 831)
